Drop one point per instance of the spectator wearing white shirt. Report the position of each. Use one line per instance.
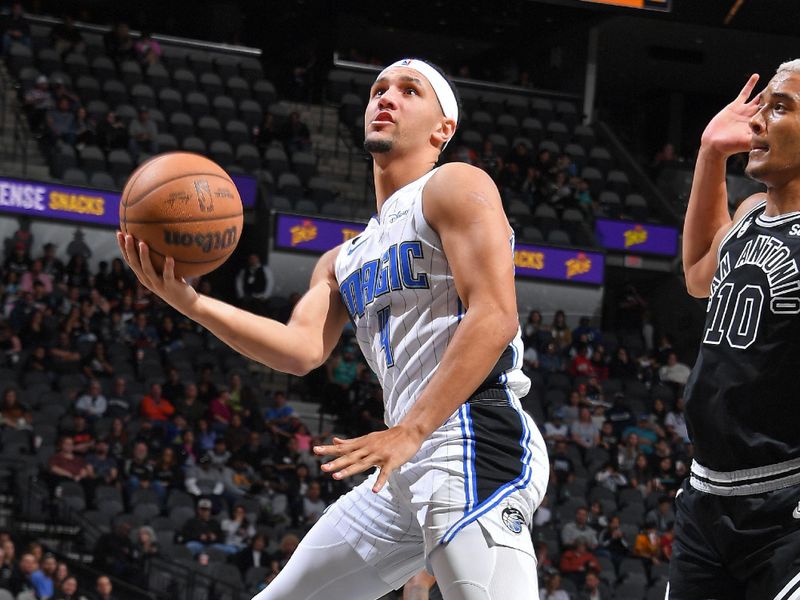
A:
(313, 504)
(675, 422)
(254, 285)
(674, 371)
(93, 403)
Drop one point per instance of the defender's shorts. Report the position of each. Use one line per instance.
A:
(736, 547)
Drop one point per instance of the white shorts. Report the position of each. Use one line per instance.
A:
(488, 463)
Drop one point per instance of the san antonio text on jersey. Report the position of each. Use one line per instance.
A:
(742, 396)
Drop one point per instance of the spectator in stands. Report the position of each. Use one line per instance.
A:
(119, 43)
(92, 403)
(663, 517)
(288, 545)
(237, 530)
(148, 51)
(61, 91)
(204, 479)
(66, 39)
(552, 587)
(610, 477)
(77, 270)
(265, 133)
(43, 579)
(562, 334)
(170, 339)
(14, 415)
(189, 406)
(280, 413)
(138, 470)
(69, 590)
(63, 354)
(36, 275)
(236, 434)
(255, 555)
(206, 388)
(65, 465)
(579, 530)
(674, 372)
(342, 370)
(594, 588)
(551, 361)
(61, 122)
(619, 414)
(648, 547)
(584, 432)
(608, 439)
(85, 129)
(675, 422)
(146, 545)
(490, 161)
(15, 27)
(143, 134)
(561, 464)
(167, 474)
(219, 454)
(313, 504)
(104, 588)
(114, 552)
(202, 531)
(612, 543)
(295, 134)
(22, 577)
(119, 401)
(220, 412)
(535, 333)
(112, 134)
(254, 284)
(154, 406)
(96, 363)
(645, 434)
(576, 561)
(103, 464)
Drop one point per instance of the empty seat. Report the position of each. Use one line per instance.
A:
(157, 76)
(199, 61)
(264, 92)
(508, 125)
(88, 88)
(48, 60)
(305, 165)
(19, 57)
(166, 142)
(600, 157)
(184, 80)
(545, 218)
(532, 128)
(97, 109)
(209, 128)
(518, 208)
(518, 106)
(289, 185)
(251, 68)
(532, 234)
(250, 112)
(76, 64)
(276, 160)
(306, 206)
(120, 163)
(93, 159)
(594, 178)
(126, 113)
(636, 206)
(567, 112)
(472, 139)
(611, 204)
(551, 146)
(559, 236)
(197, 104)
(247, 156)
(143, 95)
(170, 100)
(577, 154)
(482, 122)
(131, 72)
(101, 179)
(236, 132)
(74, 176)
(194, 144)
(321, 190)
(211, 84)
(224, 108)
(617, 181)
(584, 135)
(181, 125)
(221, 152)
(114, 91)
(499, 143)
(226, 66)
(543, 109)
(236, 87)
(558, 132)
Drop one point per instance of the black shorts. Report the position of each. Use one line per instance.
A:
(736, 547)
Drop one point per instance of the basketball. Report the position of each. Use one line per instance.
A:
(185, 206)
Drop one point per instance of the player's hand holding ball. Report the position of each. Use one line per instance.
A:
(180, 216)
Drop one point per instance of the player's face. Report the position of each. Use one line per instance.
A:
(402, 114)
(775, 155)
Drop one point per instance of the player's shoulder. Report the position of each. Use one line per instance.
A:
(748, 205)
(455, 186)
(456, 175)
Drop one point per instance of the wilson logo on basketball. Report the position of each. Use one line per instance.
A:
(214, 240)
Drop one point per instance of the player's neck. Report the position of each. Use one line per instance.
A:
(395, 172)
(784, 198)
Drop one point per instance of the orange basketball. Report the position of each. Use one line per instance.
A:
(185, 206)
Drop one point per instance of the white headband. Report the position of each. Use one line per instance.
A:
(442, 89)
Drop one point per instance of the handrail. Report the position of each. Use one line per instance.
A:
(472, 83)
(167, 39)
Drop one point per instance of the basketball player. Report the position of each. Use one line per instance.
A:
(429, 287)
(737, 533)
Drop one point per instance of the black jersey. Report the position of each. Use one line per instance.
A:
(742, 398)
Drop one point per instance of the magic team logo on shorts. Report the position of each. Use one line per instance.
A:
(513, 519)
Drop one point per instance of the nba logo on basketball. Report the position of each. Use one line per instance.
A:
(204, 198)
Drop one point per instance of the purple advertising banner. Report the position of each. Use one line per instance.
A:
(71, 203)
(312, 234)
(318, 235)
(640, 238)
(559, 264)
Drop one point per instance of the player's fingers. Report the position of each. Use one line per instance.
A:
(169, 270)
(357, 467)
(748, 88)
(328, 450)
(383, 477)
(133, 256)
(147, 266)
(344, 460)
(121, 244)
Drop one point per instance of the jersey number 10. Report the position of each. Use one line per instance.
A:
(736, 316)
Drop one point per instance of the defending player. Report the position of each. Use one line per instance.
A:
(737, 534)
(429, 286)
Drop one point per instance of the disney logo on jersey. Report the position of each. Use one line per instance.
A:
(394, 270)
(396, 216)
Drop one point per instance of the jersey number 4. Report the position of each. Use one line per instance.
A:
(736, 316)
(384, 315)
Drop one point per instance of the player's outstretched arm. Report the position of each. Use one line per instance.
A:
(296, 347)
(463, 205)
(707, 216)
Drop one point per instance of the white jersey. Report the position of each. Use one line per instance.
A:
(398, 289)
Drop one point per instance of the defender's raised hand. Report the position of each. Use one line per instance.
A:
(728, 132)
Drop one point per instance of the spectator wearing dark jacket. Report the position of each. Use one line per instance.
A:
(202, 531)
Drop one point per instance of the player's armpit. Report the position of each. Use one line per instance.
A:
(700, 274)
